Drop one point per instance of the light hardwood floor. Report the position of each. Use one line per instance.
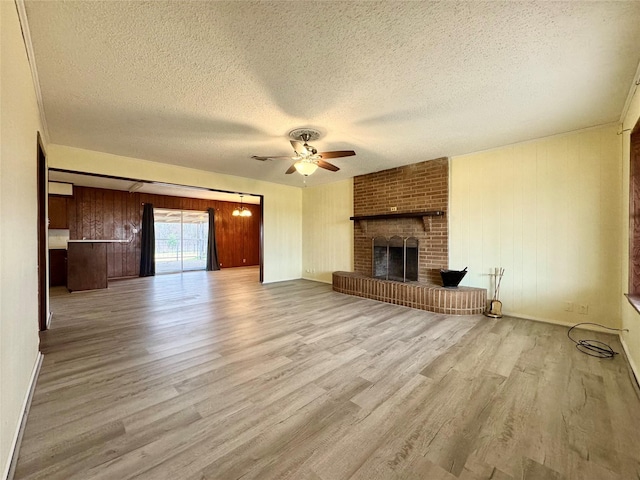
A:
(214, 376)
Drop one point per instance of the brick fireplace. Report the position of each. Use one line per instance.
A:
(413, 188)
(408, 204)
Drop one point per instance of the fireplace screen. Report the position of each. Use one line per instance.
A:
(395, 258)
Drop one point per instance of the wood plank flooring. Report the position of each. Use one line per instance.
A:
(210, 375)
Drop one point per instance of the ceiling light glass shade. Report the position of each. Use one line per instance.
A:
(241, 212)
(305, 168)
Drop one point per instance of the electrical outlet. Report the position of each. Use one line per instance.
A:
(394, 209)
(568, 306)
(583, 309)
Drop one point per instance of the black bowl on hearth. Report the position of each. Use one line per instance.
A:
(451, 278)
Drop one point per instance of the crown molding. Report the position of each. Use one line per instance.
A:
(28, 45)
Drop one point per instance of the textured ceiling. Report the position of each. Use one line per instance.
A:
(208, 84)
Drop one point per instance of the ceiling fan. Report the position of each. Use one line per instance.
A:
(307, 159)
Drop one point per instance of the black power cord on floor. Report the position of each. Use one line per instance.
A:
(595, 348)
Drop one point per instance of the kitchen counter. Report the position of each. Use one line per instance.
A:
(86, 265)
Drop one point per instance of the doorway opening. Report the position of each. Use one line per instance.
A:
(180, 240)
(43, 297)
(227, 231)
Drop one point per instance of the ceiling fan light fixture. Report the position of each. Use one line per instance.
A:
(306, 158)
(305, 168)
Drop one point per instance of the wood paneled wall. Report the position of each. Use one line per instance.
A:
(99, 214)
(549, 212)
(327, 232)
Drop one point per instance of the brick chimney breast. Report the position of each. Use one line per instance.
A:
(412, 188)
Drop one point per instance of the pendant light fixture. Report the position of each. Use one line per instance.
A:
(242, 211)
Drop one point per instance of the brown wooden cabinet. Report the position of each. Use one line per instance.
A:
(58, 217)
(57, 267)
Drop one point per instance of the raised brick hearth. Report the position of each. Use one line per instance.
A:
(433, 298)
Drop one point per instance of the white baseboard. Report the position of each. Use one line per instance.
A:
(317, 280)
(561, 323)
(26, 404)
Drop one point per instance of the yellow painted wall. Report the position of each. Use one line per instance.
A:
(282, 204)
(19, 123)
(549, 212)
(327, 232)
(630, 317)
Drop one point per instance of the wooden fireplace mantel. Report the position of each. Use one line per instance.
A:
(426, 217)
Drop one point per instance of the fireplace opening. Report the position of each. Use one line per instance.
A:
(395, 258)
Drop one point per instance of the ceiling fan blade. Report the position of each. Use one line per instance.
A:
(298, 147)
(327, 165)
(337, 154)
(262, 159)
(291, 169)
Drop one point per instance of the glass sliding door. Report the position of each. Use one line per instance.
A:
(168, 230)
(181, 240)
(195, 231)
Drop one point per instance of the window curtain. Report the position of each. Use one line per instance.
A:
(212, 246)
(148, 247)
